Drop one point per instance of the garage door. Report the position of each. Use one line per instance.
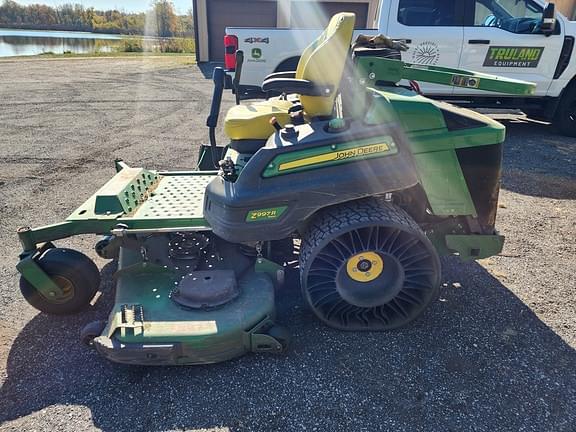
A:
(235, 13)
(313, 14)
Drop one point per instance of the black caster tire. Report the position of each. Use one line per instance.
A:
(282, 335)
(74, 272)
(100, 249)
(367, 265)
(91, 331)
(565, 119)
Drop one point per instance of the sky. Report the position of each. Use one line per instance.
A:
(182, 6)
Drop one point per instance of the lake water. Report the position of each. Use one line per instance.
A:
(15, 42)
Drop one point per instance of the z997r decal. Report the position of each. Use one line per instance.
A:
(518, 57)
(265, 214)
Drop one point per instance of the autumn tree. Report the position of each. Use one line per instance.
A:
(163, 16)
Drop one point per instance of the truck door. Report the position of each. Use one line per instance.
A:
(502, 37)
(434, 31)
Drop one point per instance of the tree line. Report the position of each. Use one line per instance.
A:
(160, 20)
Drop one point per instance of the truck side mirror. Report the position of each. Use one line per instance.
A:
(548, 19)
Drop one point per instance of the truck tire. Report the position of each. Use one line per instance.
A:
(565, 119)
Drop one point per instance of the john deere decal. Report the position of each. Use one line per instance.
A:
(265, 214)
(256, 56)
(519, 57)
(325, 156)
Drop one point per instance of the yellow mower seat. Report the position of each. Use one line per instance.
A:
(252, 121)
(321, 62)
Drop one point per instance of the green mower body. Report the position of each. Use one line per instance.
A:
(374, 196)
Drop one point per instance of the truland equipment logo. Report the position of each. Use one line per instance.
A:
(516, 57)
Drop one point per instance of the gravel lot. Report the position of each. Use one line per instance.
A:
(495, 353)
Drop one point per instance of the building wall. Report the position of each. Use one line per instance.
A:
(283, 20)
(567, 7)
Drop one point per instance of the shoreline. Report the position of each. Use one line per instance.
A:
(114, 55)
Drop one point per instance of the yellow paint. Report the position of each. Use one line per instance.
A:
(180, 328)
(335, 156)
(367, 276)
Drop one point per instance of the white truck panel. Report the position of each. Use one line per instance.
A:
(476, 57)
(443, 45)
(281, 45)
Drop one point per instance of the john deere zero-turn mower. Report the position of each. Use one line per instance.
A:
(376, 182)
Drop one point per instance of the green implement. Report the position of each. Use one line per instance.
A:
(367, 187)
(374, 69)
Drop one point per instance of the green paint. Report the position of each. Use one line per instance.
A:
(433, 146)
(32, 272)
(275, 271)
(442, 179)
(515, 53)
(374, 69)
(473, 247)
(267, 214)
(164, 320)
(125, 191)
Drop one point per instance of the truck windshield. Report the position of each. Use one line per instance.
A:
(520, 9)
(516, 16)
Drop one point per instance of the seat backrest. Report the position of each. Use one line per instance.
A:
(323, 62)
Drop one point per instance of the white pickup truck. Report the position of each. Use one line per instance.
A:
(511, 38)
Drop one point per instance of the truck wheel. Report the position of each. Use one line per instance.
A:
(565, 120)
(368, 266)
(74, 273)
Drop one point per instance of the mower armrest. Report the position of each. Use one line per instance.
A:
(300, 86)
(287, 74)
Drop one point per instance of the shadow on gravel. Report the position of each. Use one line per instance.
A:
(479, 359)
(538, 161)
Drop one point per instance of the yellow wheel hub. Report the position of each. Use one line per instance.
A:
(365, 266)
(67, 289)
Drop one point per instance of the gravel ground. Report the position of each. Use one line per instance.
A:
(495, 353)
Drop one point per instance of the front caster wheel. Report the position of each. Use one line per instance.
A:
(368, 266)
(91, 331)
(282, 335)
(76, 275)
(103, 249)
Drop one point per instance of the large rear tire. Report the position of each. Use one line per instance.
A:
(76, 275)
(367, 265)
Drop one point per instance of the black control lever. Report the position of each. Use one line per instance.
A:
(219, 77)
(237, 75)
(274, 123)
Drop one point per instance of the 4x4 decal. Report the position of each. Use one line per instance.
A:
(252, 40)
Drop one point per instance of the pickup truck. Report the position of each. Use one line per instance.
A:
(521, 39)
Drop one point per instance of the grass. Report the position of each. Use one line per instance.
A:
(132, 46)
(185, 57)
(156, 45)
